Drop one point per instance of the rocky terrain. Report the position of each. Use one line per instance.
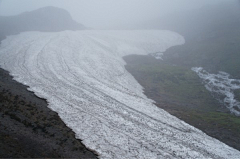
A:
(86, 83)
(28, 128)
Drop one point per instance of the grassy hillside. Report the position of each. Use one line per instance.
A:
(179, 91)
(213, 42)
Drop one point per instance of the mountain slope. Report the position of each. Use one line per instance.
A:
(47, 19)
(212, 37)
(85, 81)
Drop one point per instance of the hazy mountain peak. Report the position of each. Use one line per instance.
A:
(50, 12)
(47, 19)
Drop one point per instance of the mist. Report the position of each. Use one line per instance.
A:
(123, 75)
(108, 14)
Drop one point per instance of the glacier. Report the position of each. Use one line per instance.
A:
(83, 78)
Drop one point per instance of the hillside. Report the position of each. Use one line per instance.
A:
(47, 19)
(180, 91)
(212, 38)
(85, 81)
(28, 128)
(212, 42)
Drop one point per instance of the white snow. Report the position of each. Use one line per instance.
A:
(83, 78)
(222, 87)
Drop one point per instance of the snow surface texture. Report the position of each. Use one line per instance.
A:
(222, 87)
(83, 78)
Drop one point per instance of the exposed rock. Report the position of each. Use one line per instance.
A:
(28, 128)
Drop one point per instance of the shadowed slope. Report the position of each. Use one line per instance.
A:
(47, 19)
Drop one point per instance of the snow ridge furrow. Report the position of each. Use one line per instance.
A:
(83, 78)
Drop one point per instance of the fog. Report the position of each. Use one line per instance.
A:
(108, 14)
(106, 81)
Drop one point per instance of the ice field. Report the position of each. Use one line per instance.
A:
(83, 78)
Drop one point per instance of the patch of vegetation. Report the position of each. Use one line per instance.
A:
(176, 84)
(226, 120)
(216, 119)
(178, 90)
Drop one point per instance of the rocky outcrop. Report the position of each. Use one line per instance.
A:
(29, 129)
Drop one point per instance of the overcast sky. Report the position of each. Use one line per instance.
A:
(104, 14)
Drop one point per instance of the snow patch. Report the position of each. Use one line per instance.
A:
(222, 87)
(83, 78)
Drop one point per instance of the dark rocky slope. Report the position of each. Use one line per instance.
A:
(28, 128)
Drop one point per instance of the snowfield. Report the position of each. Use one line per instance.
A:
(82, 76)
